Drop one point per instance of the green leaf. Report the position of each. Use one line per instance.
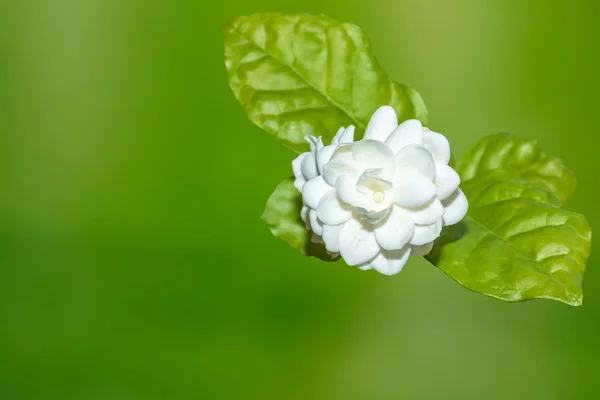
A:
(502, 157)
(282, 215)
(516, 243)
(300, 75)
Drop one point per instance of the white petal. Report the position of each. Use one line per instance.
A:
(391, 262)
(315, 225)
(332, 211)
(417, 159)
(395, 231)
(331, 237)
(408, 132)
(372, 154)
(421, 250)
(304, 215)
(428, 213)
(357, 243)
(456, 207)
(438, 145)
(297, 168)
(446, 181)
(299, 183)
(365, 267)
(338, 134)
(314, 143)
(426, 233)
(297, 164)
(348, 135)
(381, 124)
(412, 190)
(309, 167)
(347, 192)
(341, 163)
(314, 190)
(323, 156)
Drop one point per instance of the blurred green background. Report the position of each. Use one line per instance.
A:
(134, 264)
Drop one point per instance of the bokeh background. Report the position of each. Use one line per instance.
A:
(134, 264)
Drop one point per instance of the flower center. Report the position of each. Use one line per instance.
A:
(378, 196)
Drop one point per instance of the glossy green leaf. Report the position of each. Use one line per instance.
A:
(300, 75)
(515, 242)
(282, 215)
(499, 158)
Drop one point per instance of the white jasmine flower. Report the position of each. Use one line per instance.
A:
(378, 200)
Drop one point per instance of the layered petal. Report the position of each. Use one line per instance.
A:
(304, 215)
(412, 190)
(372, 154)
(314, 190)
(396, 230)
(408, 132)
(438, 145)
(391, 262)
(331, 237)
(455, 207)
(315, 225)
(381, 124)
(421, 250)
(297, 168)
(357, 243)
(416, 159)
(427, 214)
(347, 136)
(340, 163)
(343, 135)
(348, 193)
(446, 181)
(323, 156)
(332, 211)
(426, 233)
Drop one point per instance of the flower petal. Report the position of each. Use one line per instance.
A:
(456, 207)
(338, 134)
(309, 167)
(340, 163)
(347, 192)
(357, 243)
(323, 156)
(297, 164)
(446, 181)
(297, 168)
(421, 250)
(428, 213)
(391, 262)
(408, 132)
(396, 230)
(304, 215)
(381, 124)
(372, 154)
(299, 183)
(417, 159)
(426, 233)
(315, 225)
(314, 190)
(314, 142)
(365, 267)
(438, 145)
(412, 190)
(331, 237)
(332, 211)
(347, 136)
